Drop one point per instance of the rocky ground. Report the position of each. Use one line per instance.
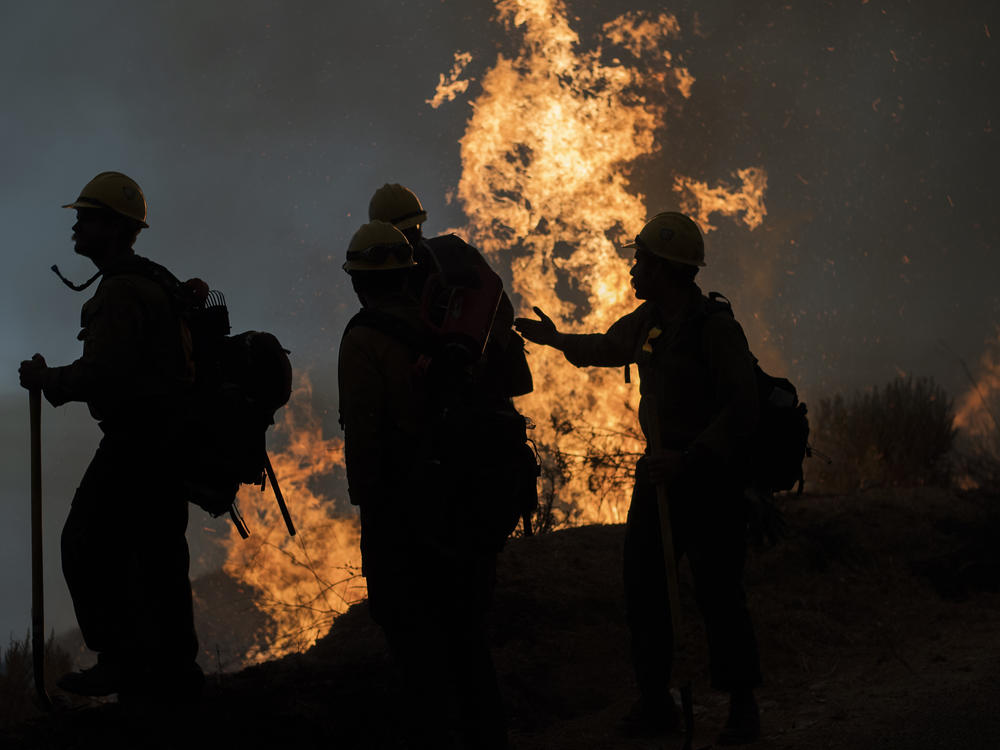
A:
(878, 617)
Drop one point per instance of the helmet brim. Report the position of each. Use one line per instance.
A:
(410, 221)
(84, 203)
(686, 261)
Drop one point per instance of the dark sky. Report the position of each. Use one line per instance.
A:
(258, 130)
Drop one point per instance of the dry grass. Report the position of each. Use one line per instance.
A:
(17, 684)
(899, 435)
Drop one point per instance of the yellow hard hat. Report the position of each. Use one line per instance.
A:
(398, 205)
(673, 236)
(114, 191)
(378, 246)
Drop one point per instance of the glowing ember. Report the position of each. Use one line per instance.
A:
(302, 582)
(545, 161)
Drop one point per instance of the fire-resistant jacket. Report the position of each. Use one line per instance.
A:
(700, 368)
(136, 350)
(382, 406)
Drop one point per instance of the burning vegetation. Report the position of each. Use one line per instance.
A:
(553, 134)
(976, 417)
(304, 581)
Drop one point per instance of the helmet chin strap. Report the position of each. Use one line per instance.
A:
(76, 287)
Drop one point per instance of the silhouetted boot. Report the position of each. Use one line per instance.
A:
(651, 718)
(97, 681)
(743, 725)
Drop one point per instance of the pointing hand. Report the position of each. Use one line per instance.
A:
(542, 331)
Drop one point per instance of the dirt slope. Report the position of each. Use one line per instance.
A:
(878, 619)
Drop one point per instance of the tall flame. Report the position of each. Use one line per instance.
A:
(545, 166)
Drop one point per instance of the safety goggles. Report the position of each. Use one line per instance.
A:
(377, 255)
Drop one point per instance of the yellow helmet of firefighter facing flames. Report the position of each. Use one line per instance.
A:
(398, 205)
(673, 236)
(114, 191)
(378, 246)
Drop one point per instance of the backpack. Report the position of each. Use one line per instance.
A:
(476, 442)
(459, 298)
(781, 441)
(240, 381)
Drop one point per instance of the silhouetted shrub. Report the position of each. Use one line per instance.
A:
(897, 435)
(17, 683)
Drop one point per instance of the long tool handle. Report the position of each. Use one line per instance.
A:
(278, 496)
(666, 527)
(670, 564)
(37, 587)
(669, 559)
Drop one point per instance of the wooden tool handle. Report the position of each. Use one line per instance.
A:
(37, 584)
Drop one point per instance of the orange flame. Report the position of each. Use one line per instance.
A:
(975, 410)
(545, 160)
(702, 201)
(302, 582)
(453, 84)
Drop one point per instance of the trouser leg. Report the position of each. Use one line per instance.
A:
(125, 559)
(92, 564)
(428, 708)
(417, 645)
(474, 684)
(163, 604)
(450, 694)
(717, 556)
(647, 603)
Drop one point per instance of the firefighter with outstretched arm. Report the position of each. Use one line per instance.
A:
(697, 386)
(124, 552)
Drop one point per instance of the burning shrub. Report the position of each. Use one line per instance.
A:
(17, 683)
(601, 458)
(300, 583)
(979, 427)
(978, 446)
(897, 435)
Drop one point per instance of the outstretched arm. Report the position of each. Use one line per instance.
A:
(614, 348)
(542, 331)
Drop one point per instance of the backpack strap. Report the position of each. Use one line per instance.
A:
(695, 325)
(719, 303)
(147, 269)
